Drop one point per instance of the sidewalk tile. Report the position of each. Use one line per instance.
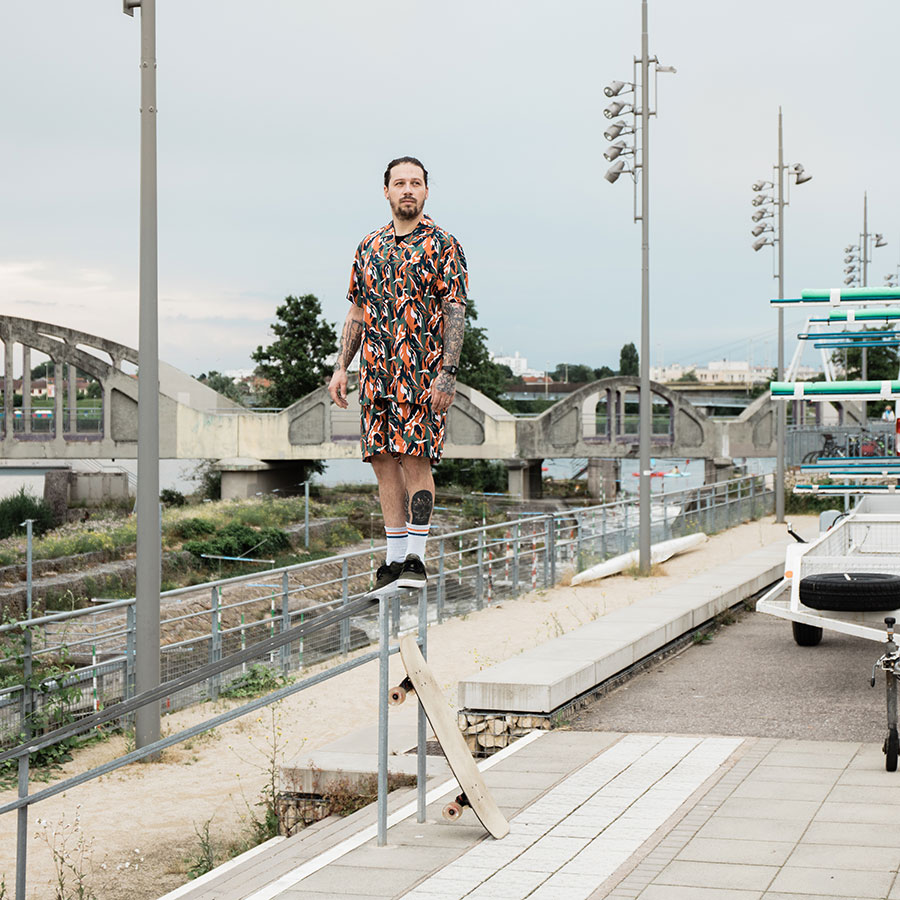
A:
(717, 875)
(886, 859)
(858, 793)
(674, 892)
(783, 810)
(855, 883)
(863, 813)
(795, 774)
(744, 852)
(783, 790)
(752, 829)
(852, 834)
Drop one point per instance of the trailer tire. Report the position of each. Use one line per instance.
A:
(851, 591)
(806, 635)
(891, 750)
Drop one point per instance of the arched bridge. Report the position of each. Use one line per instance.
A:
(86, 407)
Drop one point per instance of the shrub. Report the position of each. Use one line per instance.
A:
(16, 509)
(236, 540)
(191, 529)
(171, 497)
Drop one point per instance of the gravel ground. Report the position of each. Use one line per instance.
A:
(751, 679)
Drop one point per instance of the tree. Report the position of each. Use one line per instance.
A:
(628, 360)
(475, 366)
(689, 377)
(603, 372)
(223, 385)
(881, 362)
(574, 373)
(42, 370)
(295, 362)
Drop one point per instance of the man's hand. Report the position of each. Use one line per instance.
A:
(443, 390)
(337, 387)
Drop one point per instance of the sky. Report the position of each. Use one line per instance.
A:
(276, 118)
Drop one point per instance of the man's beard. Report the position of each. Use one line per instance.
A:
(407, 211)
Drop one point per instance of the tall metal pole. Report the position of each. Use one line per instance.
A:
(646, 402)
(147, 719)
(781, 408)
(864, 254)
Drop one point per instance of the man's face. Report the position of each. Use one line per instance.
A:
(406, 191)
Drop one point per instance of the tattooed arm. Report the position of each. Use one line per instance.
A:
(351, 339)
(444, 386)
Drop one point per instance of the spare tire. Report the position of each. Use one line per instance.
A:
(851, 591)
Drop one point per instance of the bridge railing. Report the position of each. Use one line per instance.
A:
(84, 660)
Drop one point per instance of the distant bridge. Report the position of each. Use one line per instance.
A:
(255, 450)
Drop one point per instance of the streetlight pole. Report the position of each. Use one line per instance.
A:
(617, 151)
(763, 202)
(781, 408)
(147, 670)
(646, 400)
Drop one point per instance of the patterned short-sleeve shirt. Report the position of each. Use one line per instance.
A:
(402, 288)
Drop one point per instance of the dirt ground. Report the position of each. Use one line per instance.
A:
(140, 823)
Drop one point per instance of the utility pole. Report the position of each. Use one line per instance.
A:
(147, 672)
(781, 408)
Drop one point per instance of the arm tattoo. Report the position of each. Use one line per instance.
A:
(351, 338)
(445, 382)
(454, 328)
(421, 506)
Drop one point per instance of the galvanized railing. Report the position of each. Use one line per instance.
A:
(474, 567)
(87, 656)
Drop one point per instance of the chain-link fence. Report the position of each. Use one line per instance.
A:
(84, 660)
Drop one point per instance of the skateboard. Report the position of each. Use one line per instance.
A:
(420, 679)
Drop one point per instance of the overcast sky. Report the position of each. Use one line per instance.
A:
(276, 118)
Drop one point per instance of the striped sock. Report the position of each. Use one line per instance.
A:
(396, 544)
(415, 539)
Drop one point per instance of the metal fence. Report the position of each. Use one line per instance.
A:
(84, 660)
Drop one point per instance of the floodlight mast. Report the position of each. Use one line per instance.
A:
(147, 670)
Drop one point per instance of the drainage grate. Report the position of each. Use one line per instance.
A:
(432, 748)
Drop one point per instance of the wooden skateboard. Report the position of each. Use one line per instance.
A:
(474, 791)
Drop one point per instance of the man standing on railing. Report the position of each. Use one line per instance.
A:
(407, 292)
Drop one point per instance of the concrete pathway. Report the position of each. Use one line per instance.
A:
(599, 814)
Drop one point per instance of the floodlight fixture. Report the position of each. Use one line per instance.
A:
(762, 242)
(880, 241)
(851, 248)
(617, 149)
(615, 108)
(614, 88)
(615, 130)
(760, 199)
(762, 214)
(669, 69)
(849, 269)
(757, 230)
(851, 259)
(614, 171)
(849, 280)
(761, 185)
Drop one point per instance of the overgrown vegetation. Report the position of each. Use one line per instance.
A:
(239, 540)
(259, 679)
(16, 509)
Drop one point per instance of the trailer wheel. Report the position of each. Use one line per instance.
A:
(891, 750)
(851, 591)
(806, 635)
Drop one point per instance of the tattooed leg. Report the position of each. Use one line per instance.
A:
(420, 485)
(420, 508)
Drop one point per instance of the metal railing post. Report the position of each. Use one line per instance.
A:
(306, 514)
(214, 648)
(548, 525)
(515, 566)
(421, 733)
(345, 597)
(383, 688)
(442, 583)
(604, 550)
(551, 551)
(22, 830)
(579, 519)
(27, 708)
(479, 576)
(130, 640)
(285, 623)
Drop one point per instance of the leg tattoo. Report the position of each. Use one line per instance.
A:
(421, 506)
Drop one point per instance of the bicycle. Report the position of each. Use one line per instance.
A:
(829, 449)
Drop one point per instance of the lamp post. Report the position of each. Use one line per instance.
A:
(773, 207)
(640, 122)
(858, 256)
(147, 719)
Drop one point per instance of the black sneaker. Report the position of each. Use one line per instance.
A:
(413, 574)
(385, 578)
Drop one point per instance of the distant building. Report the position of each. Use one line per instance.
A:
(517, 364)
(723, 371)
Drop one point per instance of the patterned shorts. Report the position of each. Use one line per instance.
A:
(401, 429)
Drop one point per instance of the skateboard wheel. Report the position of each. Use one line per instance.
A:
(396, 696)
(452, 811)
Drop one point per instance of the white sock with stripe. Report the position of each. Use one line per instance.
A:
(396, 544)
(416, 536)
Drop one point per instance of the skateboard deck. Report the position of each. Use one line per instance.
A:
(443, 723)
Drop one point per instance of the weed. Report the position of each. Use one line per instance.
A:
(73, 857)
(702, 637)
(205, 858)
(258, 679)
(726, 617)
(343, 796)
(634, 571)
